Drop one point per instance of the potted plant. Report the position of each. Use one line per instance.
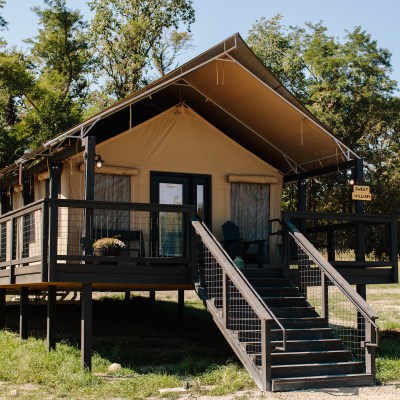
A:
(108, 246)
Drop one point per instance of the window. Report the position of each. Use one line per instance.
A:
(111, 188)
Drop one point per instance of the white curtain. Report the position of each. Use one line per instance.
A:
(251, 211)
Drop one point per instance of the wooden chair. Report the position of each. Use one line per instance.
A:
(252, 251)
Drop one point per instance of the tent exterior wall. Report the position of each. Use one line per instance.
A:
(181, 141)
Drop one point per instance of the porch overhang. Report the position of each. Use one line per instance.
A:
(231, 88)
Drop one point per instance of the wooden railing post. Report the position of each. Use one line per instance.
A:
(325, 297)
(45, 241)
(394, 249)
(370, 338)
(53, 242)
(285, 253)
(225, 299)
(266, 354)
(13, 242)
(191, 242)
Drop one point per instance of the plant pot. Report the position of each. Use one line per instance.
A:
(110, 252)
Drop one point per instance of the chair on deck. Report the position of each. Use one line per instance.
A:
(252, 251)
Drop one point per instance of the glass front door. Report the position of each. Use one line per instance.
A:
(178, 189)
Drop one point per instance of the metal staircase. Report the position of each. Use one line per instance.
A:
(271, 324)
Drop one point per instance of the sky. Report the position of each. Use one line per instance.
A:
(218, 19)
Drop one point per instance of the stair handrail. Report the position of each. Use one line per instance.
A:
(239, 279)
(366, 310)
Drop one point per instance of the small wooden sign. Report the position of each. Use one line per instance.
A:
(361, 196)
(361, 189)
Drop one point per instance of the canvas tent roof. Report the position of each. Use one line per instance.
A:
(228, 86)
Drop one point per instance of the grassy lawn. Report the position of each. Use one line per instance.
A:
(155, 349)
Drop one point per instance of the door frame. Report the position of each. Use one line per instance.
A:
(192, 180)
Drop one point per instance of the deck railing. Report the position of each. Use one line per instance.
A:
(334, 299)
(239, 312)
(355, 244)
(57, 231)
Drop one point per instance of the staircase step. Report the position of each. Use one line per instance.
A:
(269, 282)
(317, 369)
(262, 272)
(285, 301)
(294, 312)
(310, 357)
(302, 323)
(303, 357)
(310, 345)
(277, 291)
(320, 382)
(303, 334)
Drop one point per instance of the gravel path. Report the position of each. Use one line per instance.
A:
(386, 392)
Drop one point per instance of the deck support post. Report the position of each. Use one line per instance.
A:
(23, 313)
(181, 304)
(2, 308)
(127, 296)
(89, 142)
(55, 172)
(152, 297)
(86, 326)
(51, 317)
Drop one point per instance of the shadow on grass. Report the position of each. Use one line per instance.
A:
(139, 335)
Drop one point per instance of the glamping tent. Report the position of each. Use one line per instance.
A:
(163, 170)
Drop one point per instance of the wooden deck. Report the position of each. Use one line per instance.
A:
(46, 243)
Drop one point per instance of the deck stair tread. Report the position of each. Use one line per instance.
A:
(321, 381)
(313, 358)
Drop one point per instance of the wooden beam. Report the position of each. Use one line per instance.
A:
(23, 313)
(320, 171)
(86, 326)
(51, 317)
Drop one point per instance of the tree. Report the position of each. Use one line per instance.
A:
(166, 51)
(48, 87)
(126, 34)
(347, 85)
(3, 22)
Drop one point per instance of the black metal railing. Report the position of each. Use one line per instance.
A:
(334, 299)
(238, 310)
(54, 231)
(348, 240)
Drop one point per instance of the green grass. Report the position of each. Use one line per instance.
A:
(155, 349)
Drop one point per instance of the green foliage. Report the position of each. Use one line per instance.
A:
(347, 85)
(3, 22)
(124, 34)
(44, 91)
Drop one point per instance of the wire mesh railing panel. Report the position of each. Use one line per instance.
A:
(346, 322)
(348, 238)
(28, 233)
(231, 307)
(143, 233)
(3, 242)
(331, 303)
